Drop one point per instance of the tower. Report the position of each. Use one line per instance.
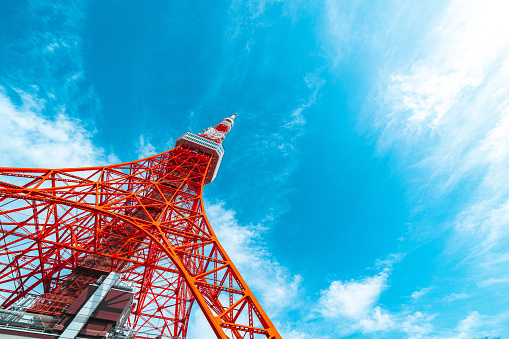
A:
(120, 251)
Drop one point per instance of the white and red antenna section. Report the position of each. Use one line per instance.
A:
(218, 133)
(209, 142)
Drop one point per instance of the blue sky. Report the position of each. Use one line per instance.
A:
(364, 191)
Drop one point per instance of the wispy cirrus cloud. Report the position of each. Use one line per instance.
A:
(448, 115)
(475, 325)
(418, 294)
(455, 296)
(42, 90)
(30, 139)
(145, 148)
(445, 119)
(46, 53)
(294, 124)
(338, 19)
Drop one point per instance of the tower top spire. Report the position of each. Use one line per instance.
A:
(218, 133)
(209, 142)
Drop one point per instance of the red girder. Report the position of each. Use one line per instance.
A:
(61, 229)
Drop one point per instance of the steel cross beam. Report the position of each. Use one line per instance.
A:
(143, 219)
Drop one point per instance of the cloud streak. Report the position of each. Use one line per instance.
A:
(145, 148)
(446, 121)
(448, 118)
(40, 103)
(30, 139)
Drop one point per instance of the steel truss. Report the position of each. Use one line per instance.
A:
(61, 229)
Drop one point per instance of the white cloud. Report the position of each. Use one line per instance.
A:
(379, 320)
(31, 139)
(468, 44)
(455, 296)
(145, 148)
(295, 334)
(417, 325)
(294, 124)
(448, 119)
(54, 50)
(339, 16)
(352, 305)
(51, 47)
(38, 108)
(468, 327)
(199, 328)
(352, 299)
(473, 325)
(296, 118)
(493, 281)
(454, 99)
(418, 294)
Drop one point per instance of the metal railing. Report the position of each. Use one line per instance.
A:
(23, 319)
(204, 142)
(128, 333)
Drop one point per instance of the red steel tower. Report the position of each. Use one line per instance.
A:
(120, 251)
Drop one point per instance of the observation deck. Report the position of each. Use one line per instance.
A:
(215, 150)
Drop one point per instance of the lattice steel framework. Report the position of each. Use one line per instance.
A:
(61, 229)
